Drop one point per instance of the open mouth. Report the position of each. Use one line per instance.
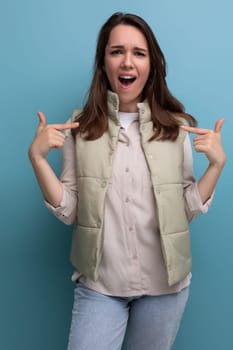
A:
(126, 80)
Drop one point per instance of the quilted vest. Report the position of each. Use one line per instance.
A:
(94, 167)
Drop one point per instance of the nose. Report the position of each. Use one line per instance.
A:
(127, 61)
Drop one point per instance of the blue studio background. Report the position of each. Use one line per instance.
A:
(47, 50)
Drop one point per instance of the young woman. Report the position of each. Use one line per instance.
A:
(127, 185)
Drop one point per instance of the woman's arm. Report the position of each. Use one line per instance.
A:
(48, 137)
(209, 142)
(192, 200)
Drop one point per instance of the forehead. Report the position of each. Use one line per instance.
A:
(124, 34)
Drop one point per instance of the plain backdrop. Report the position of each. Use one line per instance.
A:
(46, 55)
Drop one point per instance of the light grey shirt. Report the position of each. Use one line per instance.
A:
(132, 262)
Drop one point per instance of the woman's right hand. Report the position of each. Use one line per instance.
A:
(48, 136)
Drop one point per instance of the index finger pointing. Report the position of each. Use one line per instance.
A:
(193, 130)
(65, 126)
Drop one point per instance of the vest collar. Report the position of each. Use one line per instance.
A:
(113, 106)
(113, 109)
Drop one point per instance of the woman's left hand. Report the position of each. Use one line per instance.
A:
(209, 142)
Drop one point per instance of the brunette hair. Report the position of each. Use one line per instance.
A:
(166, 110)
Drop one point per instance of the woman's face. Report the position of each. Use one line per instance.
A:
(127, 65)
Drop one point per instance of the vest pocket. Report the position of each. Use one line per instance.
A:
(91, 196)
(86, 250)
(171, 208)
(177, 255)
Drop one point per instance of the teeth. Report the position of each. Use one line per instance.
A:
(126, 77)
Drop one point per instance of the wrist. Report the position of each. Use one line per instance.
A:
(35, 157)
(219, 165)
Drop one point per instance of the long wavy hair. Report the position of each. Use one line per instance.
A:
(167, 113)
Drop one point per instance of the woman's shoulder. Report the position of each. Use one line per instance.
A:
(181, 118)
(75, 114)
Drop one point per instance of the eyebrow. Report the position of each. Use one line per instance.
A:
(122, 47)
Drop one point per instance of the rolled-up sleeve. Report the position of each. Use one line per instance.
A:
(193, 202)
(66, 211)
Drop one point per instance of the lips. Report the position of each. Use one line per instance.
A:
(126, 80)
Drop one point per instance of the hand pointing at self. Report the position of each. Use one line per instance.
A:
(48, 136)
(209, 142)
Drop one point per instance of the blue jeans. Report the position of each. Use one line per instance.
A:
(101, 322)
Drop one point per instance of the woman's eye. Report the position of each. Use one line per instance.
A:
(116, 52)
(139, 53)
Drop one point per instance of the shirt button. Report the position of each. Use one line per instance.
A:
(126, 170)
(127, 200)
(103, 184)
(130, 228)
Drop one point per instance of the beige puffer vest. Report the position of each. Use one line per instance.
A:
(94, 166)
